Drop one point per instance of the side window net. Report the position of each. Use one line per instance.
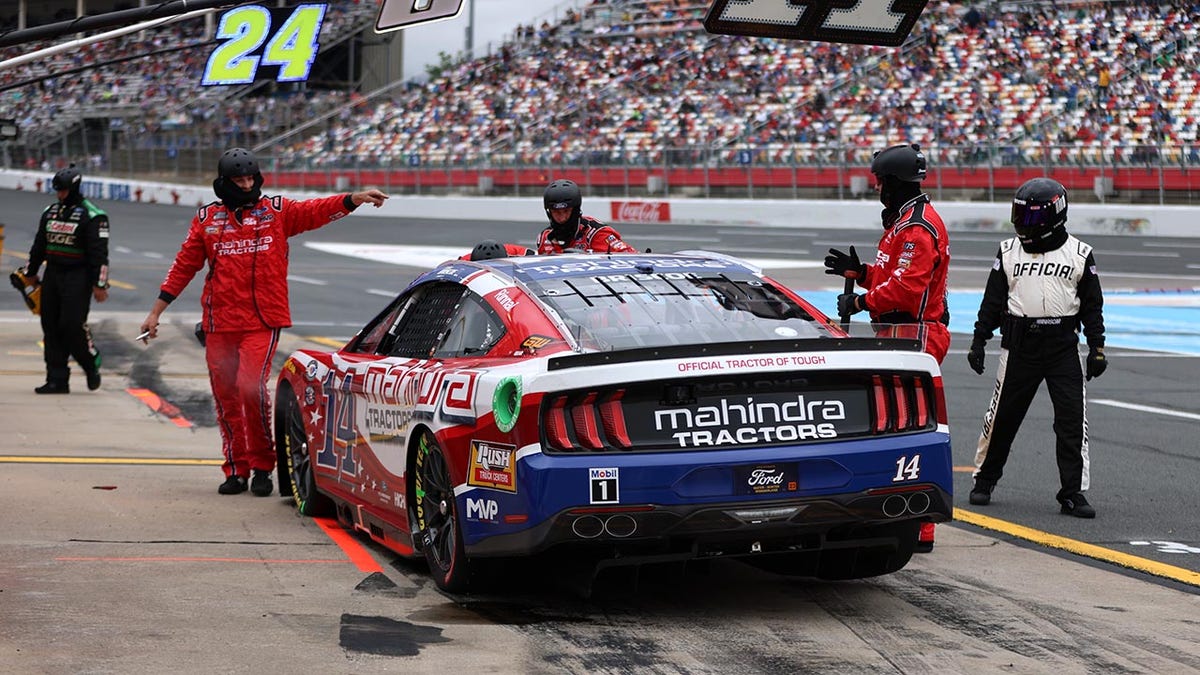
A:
(424, 320)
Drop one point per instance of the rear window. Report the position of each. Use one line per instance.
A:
(610, 312)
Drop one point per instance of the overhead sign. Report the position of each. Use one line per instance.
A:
(252, 48)
(397, 14)
(9, 131)
(867, 22)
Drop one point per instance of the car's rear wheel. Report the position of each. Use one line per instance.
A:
(437, 518)
(298, 461)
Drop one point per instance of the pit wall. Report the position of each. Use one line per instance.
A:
(1122, 219)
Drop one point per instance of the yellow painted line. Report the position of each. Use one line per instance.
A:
(34, 459)
(18, 254)
(1133, 562)
(328, 342)
(964, 469)
(122, 285)
(20, 353)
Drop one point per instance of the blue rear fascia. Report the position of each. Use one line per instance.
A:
(550, 484)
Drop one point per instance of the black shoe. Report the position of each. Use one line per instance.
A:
(53, 388)
(93, 379)
(981, 494)
(233, 485)
(261, 484)
(1077, 505)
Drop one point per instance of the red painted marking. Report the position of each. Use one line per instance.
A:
(354, 551)
(161, 406)
(195, 559)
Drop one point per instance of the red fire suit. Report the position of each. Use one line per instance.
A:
(907, 282)
(245, 304)
(592, 236)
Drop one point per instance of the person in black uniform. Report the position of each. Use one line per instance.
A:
(72, 239)
(1043, 286)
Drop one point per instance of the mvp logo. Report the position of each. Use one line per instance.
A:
(482, 509)
(397, 14)
(866, 22)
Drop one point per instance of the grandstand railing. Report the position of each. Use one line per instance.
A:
(1118, 174)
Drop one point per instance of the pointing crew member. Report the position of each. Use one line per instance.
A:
(906, 285)
(570, 229)
(1042, 287)
(72, 239)
(243, 239)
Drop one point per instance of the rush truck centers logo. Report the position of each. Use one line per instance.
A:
(397, 14)
(867, 22)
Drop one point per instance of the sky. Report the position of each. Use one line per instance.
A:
(494, 19)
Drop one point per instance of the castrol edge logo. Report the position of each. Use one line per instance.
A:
(745, 421)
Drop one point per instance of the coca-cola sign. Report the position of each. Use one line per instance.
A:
(640, 212)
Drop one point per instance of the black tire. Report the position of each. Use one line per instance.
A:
(295, 460)
(436, 522)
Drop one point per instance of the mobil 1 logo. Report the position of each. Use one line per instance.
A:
(866, 22)
(604, 486)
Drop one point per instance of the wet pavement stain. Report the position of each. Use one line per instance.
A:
(386, 637)
(377, 583)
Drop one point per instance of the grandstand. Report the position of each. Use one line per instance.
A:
(634, 96)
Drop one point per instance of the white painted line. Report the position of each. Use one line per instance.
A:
(152, 254)
(1145, 408)
(768, 231)
(1176, 244)
(1139, 254)
(123, 249)
(307, 280)
(668, 237)
(428, 257)
(748, 249)
(380, 291)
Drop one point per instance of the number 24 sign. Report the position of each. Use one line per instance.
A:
(248, 42)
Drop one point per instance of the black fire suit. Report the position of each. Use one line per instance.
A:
(72, 239)
(1038, 301)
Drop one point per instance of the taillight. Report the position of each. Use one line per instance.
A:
(595, 420)
(613, 419)
(904, 402)
(584, 417)
(556, 424)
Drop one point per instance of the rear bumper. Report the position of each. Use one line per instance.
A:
(648, 531)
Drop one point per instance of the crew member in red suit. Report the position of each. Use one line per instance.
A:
(906, 286)
(243, 239)
(570, 229)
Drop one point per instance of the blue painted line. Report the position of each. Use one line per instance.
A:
(1149, 327)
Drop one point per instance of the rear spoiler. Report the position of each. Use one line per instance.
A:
(733, 348)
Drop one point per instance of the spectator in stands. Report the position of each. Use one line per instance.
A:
(570, 229)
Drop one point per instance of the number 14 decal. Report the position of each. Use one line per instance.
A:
(907, 469)
(243, 30)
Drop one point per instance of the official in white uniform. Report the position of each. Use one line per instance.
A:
(1042, 289)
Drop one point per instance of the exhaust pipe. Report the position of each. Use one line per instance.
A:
(894, 506)
(620, 526)
(918, 503)
(587, 527)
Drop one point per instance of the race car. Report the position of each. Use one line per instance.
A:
(618, 410)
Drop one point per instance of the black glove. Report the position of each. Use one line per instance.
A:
(844, 265)
(975, 357)
(1096, 363)
(849, 303)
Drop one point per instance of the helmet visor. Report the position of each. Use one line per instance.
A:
(1030, 217)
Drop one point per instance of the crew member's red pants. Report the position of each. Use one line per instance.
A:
(239, 365)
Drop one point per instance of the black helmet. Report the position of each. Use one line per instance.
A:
(487, 250)
(905, 163)
(68, 179)
(1039, 213)
(899, 170)
(236, 162)
(562, 194)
